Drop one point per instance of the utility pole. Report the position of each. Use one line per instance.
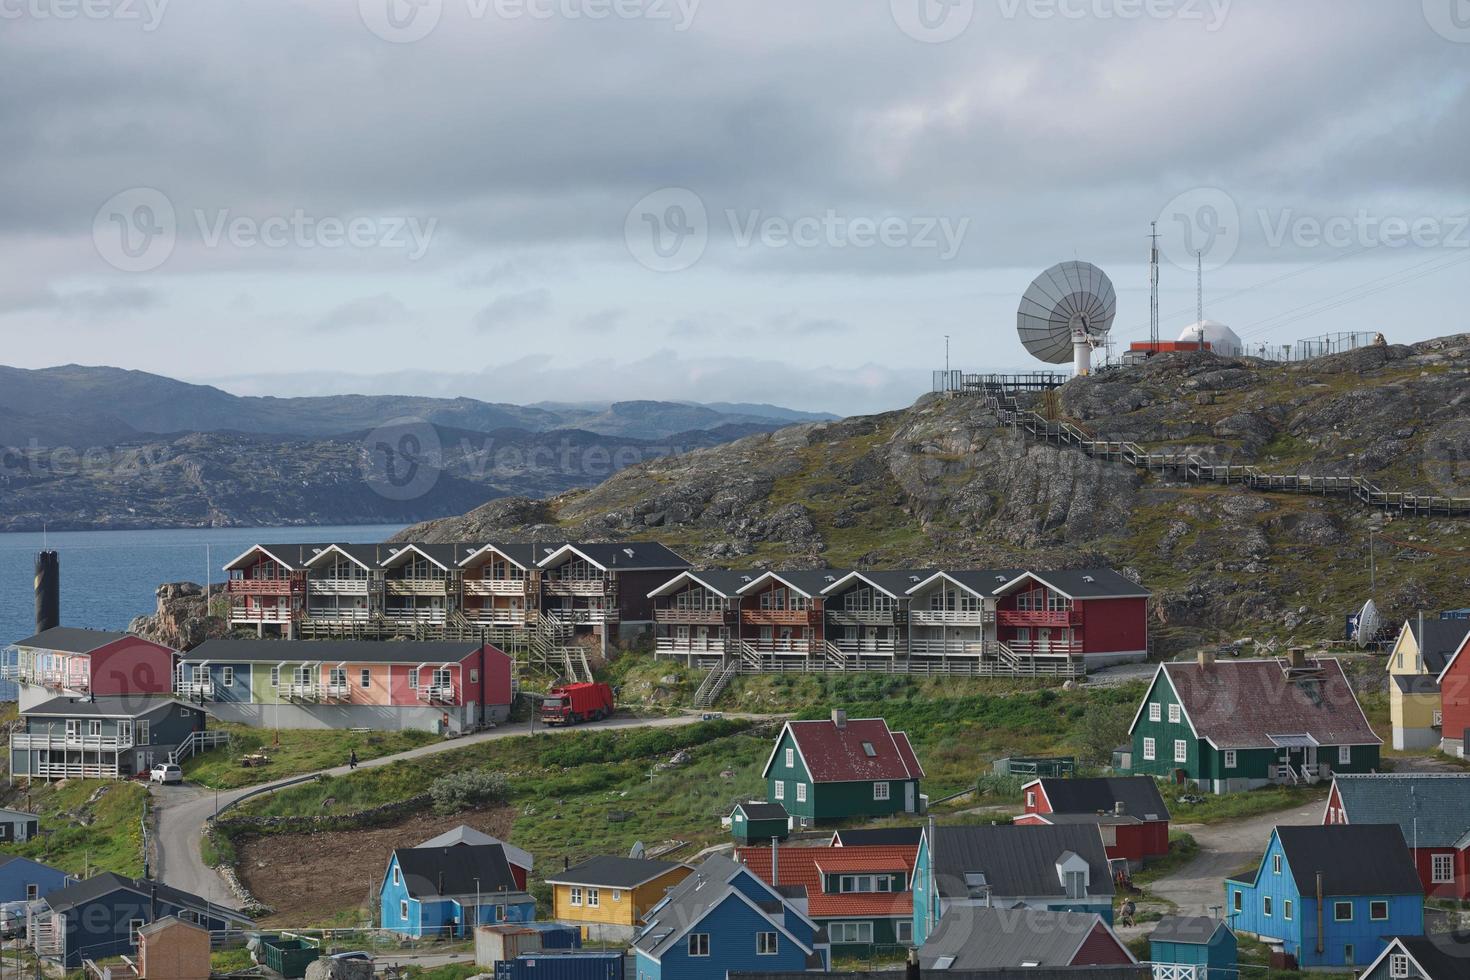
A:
(1199, 292)
(1153, 286)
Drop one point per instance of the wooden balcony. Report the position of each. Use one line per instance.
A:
(496, 617)
(795, 648)
(410, 615)
(671, 644)
(781, 617)
(337, 692)
(86, 743)
(1057, 618)
(195, 690)
(309, 691)
(582, 616)
(497, 586)
(261, 614)
(862, 617)
(1049, 647)
(333, 614)
(577, 586)
(703, 617)
(338, 586)
(264, 586)
(437, 694)
(952, 647)
(951, 617)
(418, 586)
(860, 647)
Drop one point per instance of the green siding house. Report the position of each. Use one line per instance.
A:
(837, 769)
(759, 823)
(1241, 724)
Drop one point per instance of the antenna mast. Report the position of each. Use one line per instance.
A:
(1153, 286)
(1199, 291)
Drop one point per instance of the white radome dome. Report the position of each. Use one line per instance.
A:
(1222, 339)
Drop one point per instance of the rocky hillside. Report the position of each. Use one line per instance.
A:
(941, 482)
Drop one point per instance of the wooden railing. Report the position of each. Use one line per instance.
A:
(263, 586)
(951, 617)
(334, 614)
(862, 617)
(86, 743)
(1039, 617)
(260, 614)
(781, 617)
(338, 586)
(496, 586)
(418, 586)
(577, 586)
(715, 615)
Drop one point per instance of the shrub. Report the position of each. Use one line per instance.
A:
(462, 790)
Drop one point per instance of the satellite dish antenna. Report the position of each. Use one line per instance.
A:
(637, 850)
(1067, 312)
(1368, 624)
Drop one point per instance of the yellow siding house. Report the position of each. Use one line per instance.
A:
(1418, 657)
(608, 896)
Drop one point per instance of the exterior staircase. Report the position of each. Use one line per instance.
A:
(197, 742)
(835, 656)
(716, 681)
(551, 650)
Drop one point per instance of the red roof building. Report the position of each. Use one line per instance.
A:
(1454, 693)
(1095, 614)
(835, 769)
(861, 894)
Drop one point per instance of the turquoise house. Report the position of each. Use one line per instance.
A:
(1196, 941)
(446, 891)
(1368, 885)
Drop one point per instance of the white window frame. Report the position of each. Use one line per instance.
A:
(275, 677)
(413, 679)
(1181, 750)
(1387, 911)
(1344, 755)
(779, 788)
(848, 933)
(1286, 909)
(337, 677)
(790, 758)
(1149, 749)
(33, 891)
(403, 909)
(1337, 915)
(1398, 966)
(766, 944)
(594, 898)
(397, 875)
(94, 728)
(145, 736)
(1031, 797)
(134, 927)
(574, 897)
(1237, 900)
(1155, 713)
(904, 931)
(1438, 877)
(1174, 716)
(365, 678)
(801, 792)
(227, 676)
(698, 944)
(1266, 906)
(1438, 720)
(1231, 758)
(880, 790)
(1276, 864)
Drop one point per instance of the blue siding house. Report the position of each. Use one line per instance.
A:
(439, 891)
(1370, 890)
(723, 919)
(22, 879)
(100, 917)
(1196, 941)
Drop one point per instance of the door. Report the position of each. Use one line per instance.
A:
(1043, 640)
(908, 797)
(870, 639)
(73, 729)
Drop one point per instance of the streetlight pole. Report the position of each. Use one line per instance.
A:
(477, 902)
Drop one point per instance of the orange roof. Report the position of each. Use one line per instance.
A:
(806, 865)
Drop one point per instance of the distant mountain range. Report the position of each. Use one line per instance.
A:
(101, 447)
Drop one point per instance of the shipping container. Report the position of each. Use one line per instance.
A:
(494, 944)
(288, 957)
(569, 965)
(554, 935)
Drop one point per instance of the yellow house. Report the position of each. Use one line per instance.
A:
(1418, 657)
(608, 896)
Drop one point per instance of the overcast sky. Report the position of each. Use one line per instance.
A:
(790, 201)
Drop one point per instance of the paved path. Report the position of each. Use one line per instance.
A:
(183, 810)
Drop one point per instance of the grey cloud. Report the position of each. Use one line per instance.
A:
(368, 311)
(512, 309)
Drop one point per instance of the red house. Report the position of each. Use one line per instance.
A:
(1432, 810)
(1128, 811)
(81, 662)
(1454, 697)
(1094, 613)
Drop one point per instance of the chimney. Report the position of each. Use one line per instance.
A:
(911, 966)
(775, 864)
(839, 717)
(565, 863)
(1296, 657)
(1119, 808)
(1207, 659)
(48, 591)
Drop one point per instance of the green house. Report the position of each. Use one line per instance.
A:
(1233, 725)
(754, 822)
(836, 769)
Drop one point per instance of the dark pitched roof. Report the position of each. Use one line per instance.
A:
(1380, 864)
(294, 556)
(691, 898)
(102, 885)
(121, 706)
(1415, 683)
(1196, 929)
(447, 555)
(1445, 956)
(450, 871)
(981, 581)
(366, 555)
(723, 581)
(835, 755)
(756, 810)
(1017, 861)
(323, 651)
(971, 938)
(70, 639)
(1441, 638)
(613, 872)
(810, 581)
(1138, 971)
(1431, 809)
(633, 555)
(1138, 794)
(1088, 583)
(524, 553)
(894, 581)
(879, 837)
(1243, 704)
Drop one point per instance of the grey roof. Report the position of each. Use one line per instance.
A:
(1017, 861)
(1415, 683)
(632, 555)
(613, 872)
(894, 581)
(70, 639)
(689, 900)
(102, 885)
(448, 555)
(1445, 956)
(464, 869)
(523, 553)
(879, 837)
(464, 834)
(293, 556)
(1137, 971)
(981, 581)
(757, 810)
(1380, 865)
(980, 938)
(808, 580)
(122, 706)
(367, 555)
(1196, 929)
(724, 581)
(323, 651)
(1138, 794)
(1090, 583)
(1431, 809)
(1442, 637)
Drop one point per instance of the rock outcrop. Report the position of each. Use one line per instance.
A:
(183, 618)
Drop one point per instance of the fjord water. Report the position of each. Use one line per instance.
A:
(108, 577)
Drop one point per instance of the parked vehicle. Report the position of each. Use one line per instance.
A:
(166, 772)
(572, 704)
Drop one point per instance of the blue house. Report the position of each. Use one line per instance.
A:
(1365, 875)
(100, 917)
(23, 880)
(1058, 868)
(1196, 941)
(723, 919)
(438, 891)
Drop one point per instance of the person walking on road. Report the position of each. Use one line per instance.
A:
(352, 760)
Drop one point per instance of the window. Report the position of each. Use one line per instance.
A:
(275, 677)
(1154, 712)
(144, 736)
(1276, 864)
(337, 677)
(850, 932)
(442, 677)
(1442, 869)
(228, 675)
(73, 728)
(94, 728)
(575, 897)
(1230, 758)
(801, 792)
(1266, 906)
(617, 895)
(1344, 755)
(183, 712)
(765, 944)
(1378, 911)
(1438, 720)
(397, 876)
(403, 909)
(1030, 797)
(780, 788)
(1075, 884)
(133, 926)
(1342, 911)
(1173, 714)
(880, 791)
(32, 892)
(1398, 966)
(905, 933)
(1181, 750)
(413, 680)
(365, 678)
(1286, 909)
(869, 751)
(594, 898)
(790, 758)
(1236, 903)
(1148, 750)
(474, 675)
(699, 944)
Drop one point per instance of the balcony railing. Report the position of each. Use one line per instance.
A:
(263, 586)
(862, 617)
(194, 690)
(1048, 646)
(781, 617)
(576, 586)
(953, 647)
(260, 614)
(334, 614)
(337, 692)
(54, 679)
(417, 586)
(575, 616)
(951, 617)
(796, 648)
(101, 743)
(437, 693)
(496, 586)
(339, 586)
(433, 616)
(878, 648)
(1039, 617)
(305, 692)
(496, 617)
(673, 615)
(671, 644)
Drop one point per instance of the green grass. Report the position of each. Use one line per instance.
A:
(1238, 806)
(229, 960)
(81, 835)
(449, 971)
(292, 752)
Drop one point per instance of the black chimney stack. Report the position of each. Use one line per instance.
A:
(911, 966)
(48, 591)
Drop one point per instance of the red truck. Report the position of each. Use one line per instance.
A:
(572, 704)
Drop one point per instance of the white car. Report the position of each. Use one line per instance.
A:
(166, 772)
